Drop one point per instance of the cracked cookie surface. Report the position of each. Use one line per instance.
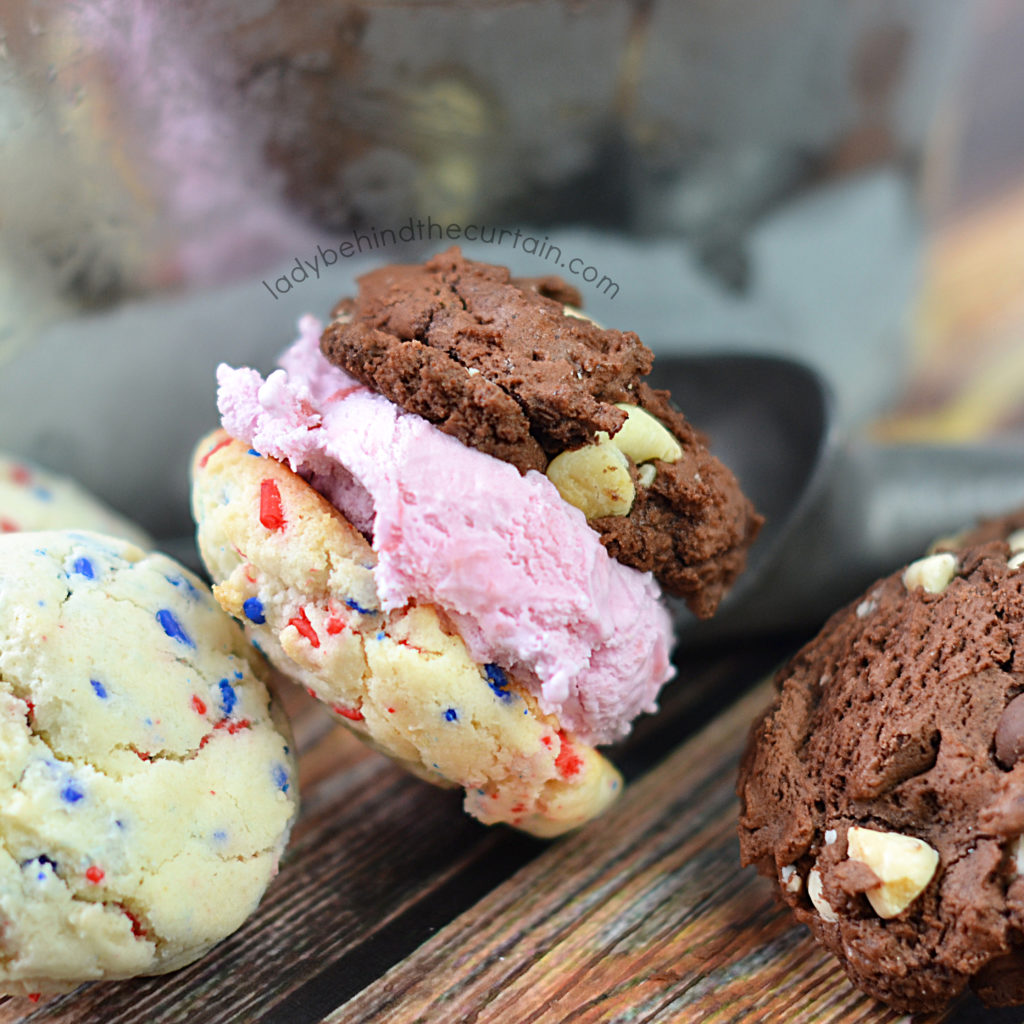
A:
(297, 574)
(882, 793)
(501, 365)
(147, 781)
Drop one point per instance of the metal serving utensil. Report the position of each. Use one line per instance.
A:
(839, 511)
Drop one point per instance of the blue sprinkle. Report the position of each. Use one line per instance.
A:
(451, 715)
(172, 627)
(42, 860)
(182, 581)
(286, 750)
(252, 451)
(101, 690)
(380, 636)
(84, 568)
(42, 493)
(228, 697)
(253, 608)
(71, 794)
(119, 823)
(238, 675)
(220, 835)
(354, 605)
(280, 777)
(497, 682)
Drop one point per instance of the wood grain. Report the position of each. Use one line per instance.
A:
(643, 916)
(378, 862)
(393, 906)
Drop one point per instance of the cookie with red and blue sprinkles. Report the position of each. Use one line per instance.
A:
(300, 578)
(147, 781)
(32, 498)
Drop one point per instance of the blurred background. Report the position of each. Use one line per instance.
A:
(837, 180)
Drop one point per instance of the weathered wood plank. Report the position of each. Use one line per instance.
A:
(643, 916)
(378, 862)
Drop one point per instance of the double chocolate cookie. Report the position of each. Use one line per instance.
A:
(509, 367)
(884, 791)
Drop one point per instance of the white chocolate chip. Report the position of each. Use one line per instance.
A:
(1016, 851)
(1016, 561)
(830, 836)
(866, 607)
(821, 905)
(579, 314)
(904, 865)
(1016, 541)
(791, 881)
(595, 479)
(643, 437)
(933, 573)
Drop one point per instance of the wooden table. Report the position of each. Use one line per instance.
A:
(391, 905)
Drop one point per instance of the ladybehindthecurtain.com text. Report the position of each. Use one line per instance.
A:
(418, 230)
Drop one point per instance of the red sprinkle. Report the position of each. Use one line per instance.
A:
(216, 448)
(233, 727)
(35, 996)
(546, 740)
(142, 755)
(20, 474)
(568, 762)
(352, 714)
(137, 930)
(391, 711)
(8, 526)
(305, 627)
(271, 515)
(335, 626)
(198, 705)
(94, 874)
(31, 708)
(205, 740)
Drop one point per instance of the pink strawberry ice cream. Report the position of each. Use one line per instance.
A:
(517, 570)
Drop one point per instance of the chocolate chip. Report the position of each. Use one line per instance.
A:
(1010, 733)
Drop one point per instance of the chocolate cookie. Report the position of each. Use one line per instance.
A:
(505, 366)
(884, 790)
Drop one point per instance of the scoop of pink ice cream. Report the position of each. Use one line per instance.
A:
(517, 570)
